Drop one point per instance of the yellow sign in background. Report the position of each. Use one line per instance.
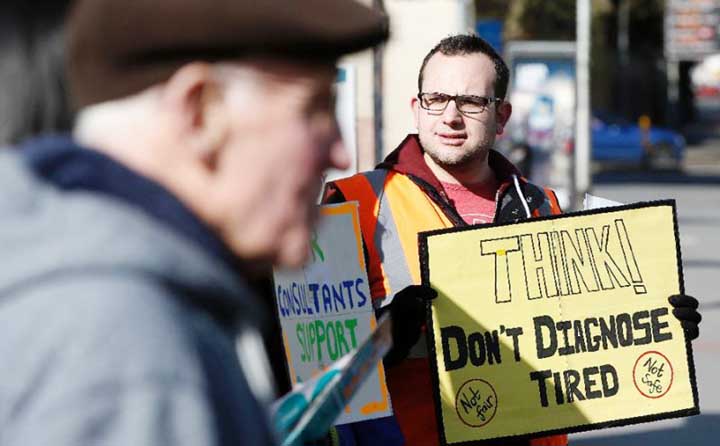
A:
(558, 325)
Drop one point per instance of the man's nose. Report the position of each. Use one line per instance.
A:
(451, 115)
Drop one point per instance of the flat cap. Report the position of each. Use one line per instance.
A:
(117, 48)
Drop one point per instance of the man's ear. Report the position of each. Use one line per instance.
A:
(192, 96)
(502, 112)
(415, 105)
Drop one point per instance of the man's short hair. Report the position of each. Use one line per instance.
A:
(463, 44)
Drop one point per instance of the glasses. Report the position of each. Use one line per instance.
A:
(470, 104)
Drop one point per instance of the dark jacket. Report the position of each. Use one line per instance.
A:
(121, 315)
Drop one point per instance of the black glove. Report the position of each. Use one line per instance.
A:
(407, 311)
(685, 310)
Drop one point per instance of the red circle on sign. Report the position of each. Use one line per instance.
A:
(484, 384)
(672, 374)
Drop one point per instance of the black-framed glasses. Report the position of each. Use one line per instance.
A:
(470, 104)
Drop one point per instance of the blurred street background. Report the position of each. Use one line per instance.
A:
(618, 98)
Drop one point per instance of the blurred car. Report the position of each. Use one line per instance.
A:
(618, 142)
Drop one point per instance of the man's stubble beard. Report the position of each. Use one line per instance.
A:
(449, 158)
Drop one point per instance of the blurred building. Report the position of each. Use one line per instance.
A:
(692, 51)
(647, 59)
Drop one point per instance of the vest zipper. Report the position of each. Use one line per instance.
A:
(501, 190)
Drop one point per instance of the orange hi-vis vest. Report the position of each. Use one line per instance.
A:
(392, 212)
(393, 208)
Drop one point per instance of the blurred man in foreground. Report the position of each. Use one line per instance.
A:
(202, 131)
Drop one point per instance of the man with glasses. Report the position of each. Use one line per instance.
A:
(445, 175)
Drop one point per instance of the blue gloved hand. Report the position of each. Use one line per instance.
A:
(685, 310)
(407, 311)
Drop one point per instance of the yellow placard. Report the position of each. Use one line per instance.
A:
(558, 324)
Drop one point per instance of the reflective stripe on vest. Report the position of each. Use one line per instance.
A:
(393, 210)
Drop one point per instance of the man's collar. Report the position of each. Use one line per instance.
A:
(61, 161)
(408, 158)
